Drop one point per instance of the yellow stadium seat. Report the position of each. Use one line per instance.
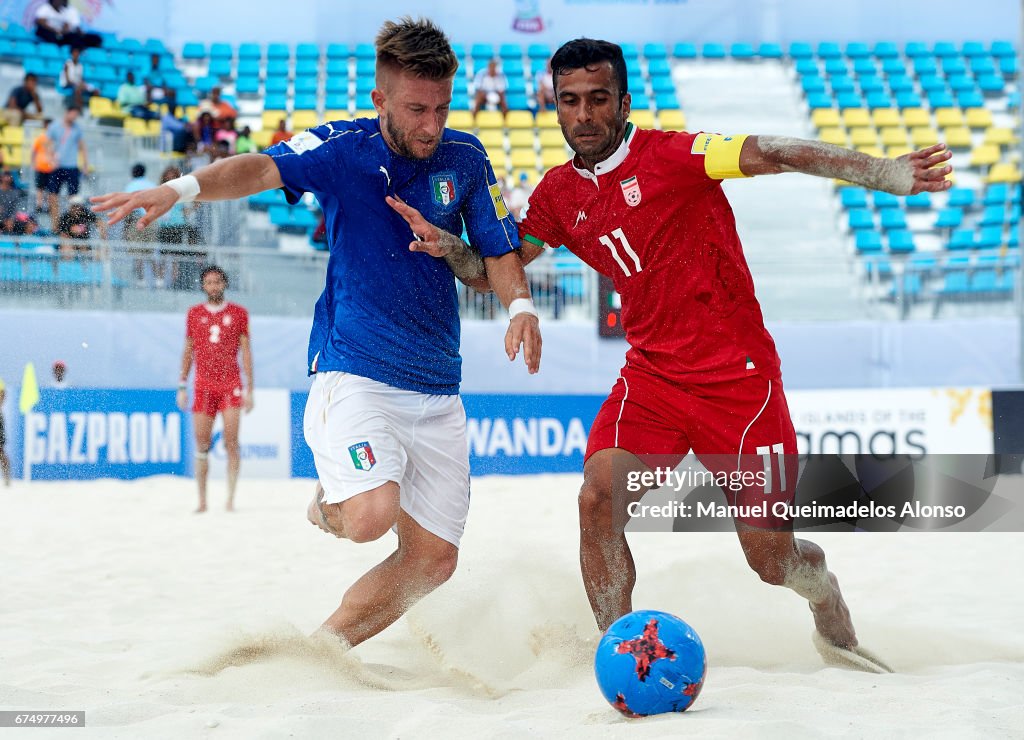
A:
(825, 118)
(13, 156)
(523, 159)
(500, 163)
(519, 119)
(886, 117)
(461, 120)
(1000, 136)
(642, 118)
(104, 108)
(553, 157)
(947, 117)
(521, 138)
(985, 155)
(490, 119)
(12, 135)
(338, 114)
(303, 119)
(547, 119)
(855, 117)
(923, 136)
(897, 151)
(492, 138)
(365, 113)
(153, 128)
(550, 138)
(916, 117)
(865, 136)
(272, 117)
(672, 120)
(894, 136)
(834, 136)
(136, 126)
(1004, 172)
(191, 113)
(871, 151)
(978, 117)
(958, 137)
(262, 138)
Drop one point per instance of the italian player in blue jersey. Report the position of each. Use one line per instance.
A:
(384, 419)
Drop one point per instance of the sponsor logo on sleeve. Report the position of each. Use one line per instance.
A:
(500, 209)
(307, 141)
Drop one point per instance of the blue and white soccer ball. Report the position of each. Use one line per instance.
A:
(650, 662)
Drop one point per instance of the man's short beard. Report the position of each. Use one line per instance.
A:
(397, 140)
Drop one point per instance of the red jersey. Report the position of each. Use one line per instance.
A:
(215, 336)
(654, 219)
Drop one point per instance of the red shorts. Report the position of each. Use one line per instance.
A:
(211, 400)
(732, 427)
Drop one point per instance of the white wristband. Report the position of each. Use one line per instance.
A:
(521, 305)
(186, 187)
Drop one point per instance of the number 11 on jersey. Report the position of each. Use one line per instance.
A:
(624, 243)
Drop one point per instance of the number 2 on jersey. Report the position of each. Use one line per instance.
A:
(624, 243)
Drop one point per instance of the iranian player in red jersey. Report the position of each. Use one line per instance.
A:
(647, 209)
(215, 333)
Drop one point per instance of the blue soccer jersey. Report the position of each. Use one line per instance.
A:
(387, 313)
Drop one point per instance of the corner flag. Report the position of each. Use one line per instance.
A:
(29, 389)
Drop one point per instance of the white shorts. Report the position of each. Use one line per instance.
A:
(364, 433)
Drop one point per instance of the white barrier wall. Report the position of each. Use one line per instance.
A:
(143, 350)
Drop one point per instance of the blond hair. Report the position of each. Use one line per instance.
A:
(418, 47)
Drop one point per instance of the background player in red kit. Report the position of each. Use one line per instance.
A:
(215, 332)
(647, 209)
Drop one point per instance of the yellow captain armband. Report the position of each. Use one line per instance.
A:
(721, 154)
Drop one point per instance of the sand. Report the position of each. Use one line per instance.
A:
(117, 600)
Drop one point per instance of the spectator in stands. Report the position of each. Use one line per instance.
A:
(175, 228)
(177, 129)
(220, 150)
(43, 163)
(227, 133)
(282, 133)
(220, 109)
(57, 23)
(519, 196)
(544, 87)
(21, 97)
(10, 200)
(78, 224)
(138, 182)
(132, 98)
(489, 87)
(194, 159)
(67, 142)
(72, 79)
(24, 225)
(244, 143)
(60, 372)
(154, 77)
(204, 131)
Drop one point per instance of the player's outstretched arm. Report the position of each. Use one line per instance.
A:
(225, 179)
(923, 170)
(506, 276)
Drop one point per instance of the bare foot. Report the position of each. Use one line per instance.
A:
(200, 510)
(832, 618)
(229, 507)
(315, 512)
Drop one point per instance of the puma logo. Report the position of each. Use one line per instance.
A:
(381, 168)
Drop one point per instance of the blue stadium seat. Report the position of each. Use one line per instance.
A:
(365, 85)
(836, 67)
(460, 85)
(842, 84)
(337, 68)
(945, 49)
(655, 50)
(917, 50)
(336, 101)
(884, 200)
(940, 99)
(996, 195)
(894, 66)
(279, 52)
(458, 49)
(662, 85)
(659, 68)
(482, 51)
(262, 201)
(539, 51)
(684, 50)
(516, 86)
(961, 198)
(1009, 66)
(812, 84)
(276, 85)
(893, 218)
(857, 50)
(974, 49)
(205, 84)
(870, 84)
(636, 83)
(853, 197)
(931, 83)
(512, 68)
(248, 86)
(818, 101)
(193, 50)
(337, 85)
(40, 270)
(219, 67)
(954, 65)
(741, 51)
(221, 51)
(366, 51)
(961, 239)
(248, 67)
(868, 241)
(800, 50)
(960, 84)
(278, 68)
(276, 101)
(964, 100)
(925, 66)
(307, 51)
(306, 85)
(993, 216)
(949, 218)
(307, 67)
(918, 202)
(10, 270)
(807, 67)
(901, 240)
(860, 218)
(829, 50)
(990, 237)
(666, 101)
(1003, 49)
(877, 264)
(249, 51)
(518, 101)
(922, 263)
(510, 51)
(886, 50)
(630, 51)
(991, 83)
(460, 101)
(849, 100)
(641, 101)
(768, 50)
(955, 282)
(366, 67)
(306, 101)
(364, 101)
(337, 51)
(865, 66)
(713, 51)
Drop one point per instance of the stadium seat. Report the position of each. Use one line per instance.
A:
(553, 158)
(713, 51)
(856, 117)
(894, 136)
(978, 117)
(961, 239)
(221, 51)
(853, 197)
(947, 117)
(672, 120)
(539, 51)
(303, 119)
(992, 216)
(918, 202)
(769, 50)
(825, 118)
(819, 100)
(883, 200)
(684, 50)
(489, 119)
(892, 218)
(461, 120)
(523, 159)
(900, 240)
(800, 50)
(958, 138)
(193, 50)
(642, 118)
(863, 136)
(923, 136)
(990, 237)
(742, 50)
(494, 139)
(834, 135)
(867, 242)
(1000, 136)
(860, 218)
(985, 155)
(996, 195)
(519, 120)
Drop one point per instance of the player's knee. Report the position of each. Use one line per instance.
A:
(439, 566)
(365, 529)
(595, 504)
